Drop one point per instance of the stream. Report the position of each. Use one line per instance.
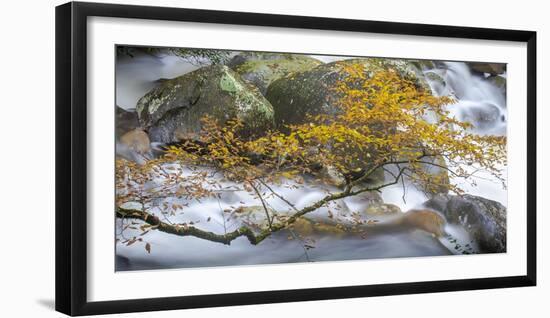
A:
(477, 98)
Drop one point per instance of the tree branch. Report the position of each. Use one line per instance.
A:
(279, 196)
(226, 238)
(254, 239)
(269, 219)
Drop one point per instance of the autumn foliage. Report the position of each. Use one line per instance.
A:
(382, 121)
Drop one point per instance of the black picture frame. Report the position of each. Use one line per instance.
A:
(71, 157)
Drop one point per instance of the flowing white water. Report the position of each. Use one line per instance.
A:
(168, 251)
(136, 76)
(478, 100)
(483, 104)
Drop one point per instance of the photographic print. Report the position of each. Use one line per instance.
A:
(228, 158)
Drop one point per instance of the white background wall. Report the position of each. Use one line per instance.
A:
(27, 158)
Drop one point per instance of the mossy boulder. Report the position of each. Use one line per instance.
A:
(244, 57)
(173, 110)
(262, 72)
(312, 92)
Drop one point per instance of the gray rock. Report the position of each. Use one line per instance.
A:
(435, 78)
(482, 116)
(382, 209)
(490, 68)
(331, 176)
(484, 219)
(436, 168)
(244, 57)
(125, 120)
(312, 92)
(137, 140)
(262, 72)
(423, 64)
(173, 110)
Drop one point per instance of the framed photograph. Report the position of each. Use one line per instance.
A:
(209, 158)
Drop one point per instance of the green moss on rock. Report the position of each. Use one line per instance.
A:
(263, 72)
(310, 92)
(173, 110)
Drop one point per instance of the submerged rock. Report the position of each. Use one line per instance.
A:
(382, 209)
(305, 227)
(483, 219)
(262, 72)
(255, 218)
(426, 220)
(482, 116)
(173, 110)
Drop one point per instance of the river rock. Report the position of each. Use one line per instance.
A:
(432, 173)
(262, 72)
(244, 57)
(382, 209)
(366, 199)
(423, 64)
(484, 219)
(482, 116)
(435, 78)
(489, 68)
(311, 92)
(253, 216)
(331, 176)
(172, 111)
(436, 168)
(125, 120)
(304, 227)
(136, 140)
